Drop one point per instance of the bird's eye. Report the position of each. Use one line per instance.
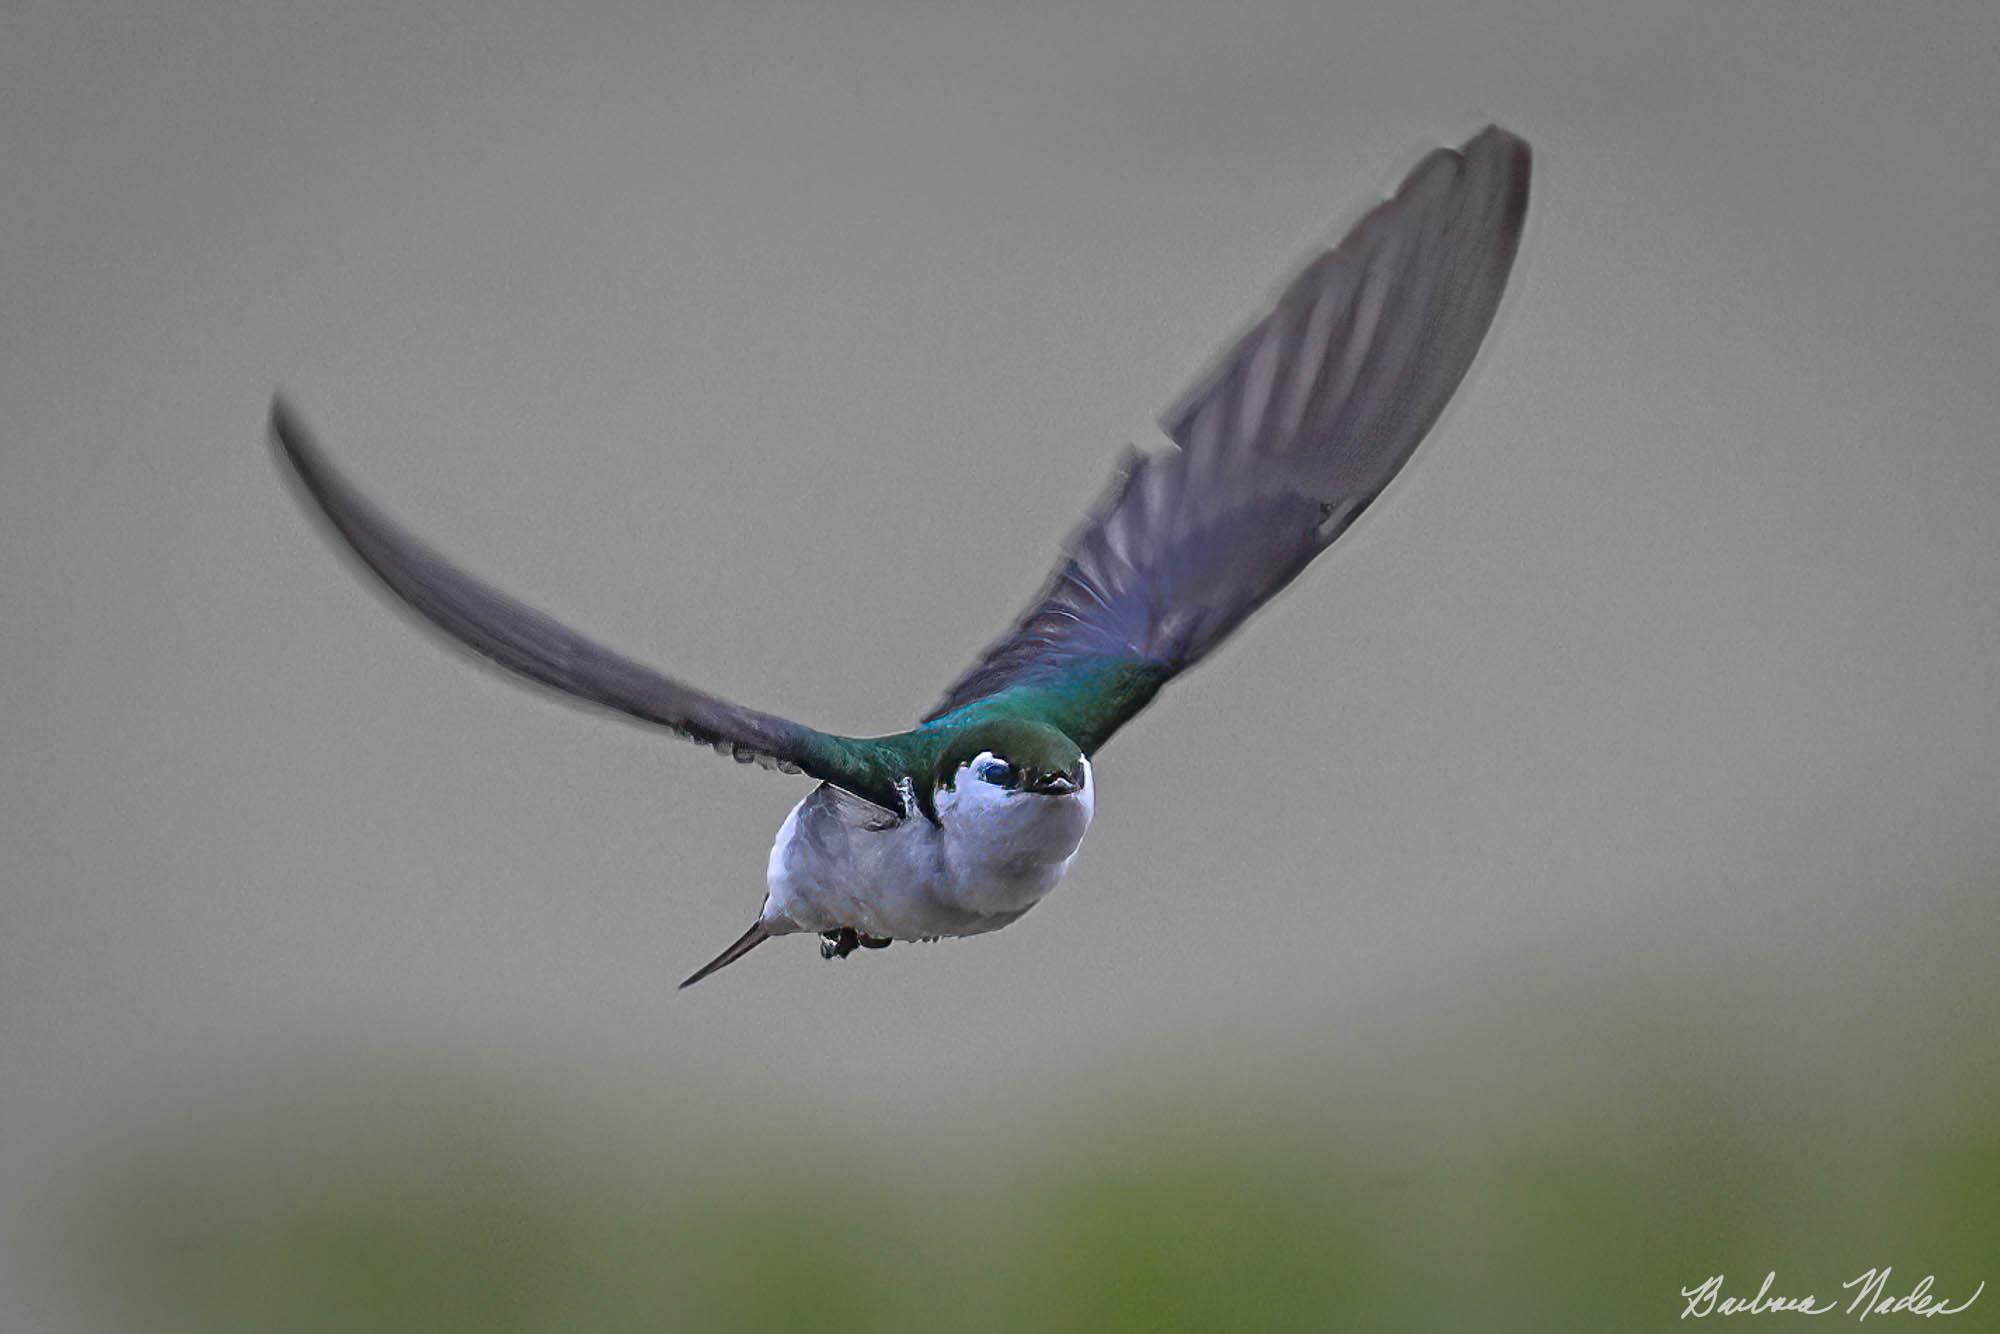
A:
(997, 772)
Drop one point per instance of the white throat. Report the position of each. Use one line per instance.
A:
(1010, 833)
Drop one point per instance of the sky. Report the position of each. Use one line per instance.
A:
(781, 345)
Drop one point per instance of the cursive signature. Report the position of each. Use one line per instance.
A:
(1871, 1297)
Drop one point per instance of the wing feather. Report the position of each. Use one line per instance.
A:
(1292, 433)
(534, 646)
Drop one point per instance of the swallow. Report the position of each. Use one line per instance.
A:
(959, 825)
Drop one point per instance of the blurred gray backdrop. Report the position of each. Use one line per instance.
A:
(1639, 748)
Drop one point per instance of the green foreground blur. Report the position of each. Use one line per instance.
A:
(1449, 1186)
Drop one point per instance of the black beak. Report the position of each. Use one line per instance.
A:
(1053, 785)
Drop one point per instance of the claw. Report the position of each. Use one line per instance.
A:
(839, 944)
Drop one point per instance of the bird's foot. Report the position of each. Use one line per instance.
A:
(839, 944)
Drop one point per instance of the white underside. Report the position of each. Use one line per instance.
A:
(994, 855)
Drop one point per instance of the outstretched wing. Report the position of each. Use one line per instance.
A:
(1282, 445)
(526, 642)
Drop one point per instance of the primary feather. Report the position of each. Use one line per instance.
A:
(526, 642)
(1299, 426)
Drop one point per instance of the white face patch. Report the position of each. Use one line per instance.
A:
(994, 771)
(990, 769)
(1010, 832)
(973, 802)
(972, 795)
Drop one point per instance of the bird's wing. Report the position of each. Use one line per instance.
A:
(526, 642)
(1292, 434)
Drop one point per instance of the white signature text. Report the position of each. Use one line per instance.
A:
(1870, 1295)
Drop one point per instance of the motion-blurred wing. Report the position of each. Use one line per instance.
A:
(1289, 438)
(526, 642)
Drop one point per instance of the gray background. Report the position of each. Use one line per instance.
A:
(781, 346)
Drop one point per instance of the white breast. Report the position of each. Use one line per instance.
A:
(996, 854)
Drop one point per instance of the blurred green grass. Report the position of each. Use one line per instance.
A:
(1559, 1147)
(1155, 1214)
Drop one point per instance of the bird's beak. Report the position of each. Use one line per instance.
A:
(1055, 785)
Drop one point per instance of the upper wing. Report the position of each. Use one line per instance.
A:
(1282, 445)
(524, 641)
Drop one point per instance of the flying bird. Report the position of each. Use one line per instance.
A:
(961, 824)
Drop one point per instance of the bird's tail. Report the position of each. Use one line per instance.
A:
(749, 940)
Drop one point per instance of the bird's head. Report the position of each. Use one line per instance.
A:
(1013, 757)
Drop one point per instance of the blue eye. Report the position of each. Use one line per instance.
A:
(997, 772)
